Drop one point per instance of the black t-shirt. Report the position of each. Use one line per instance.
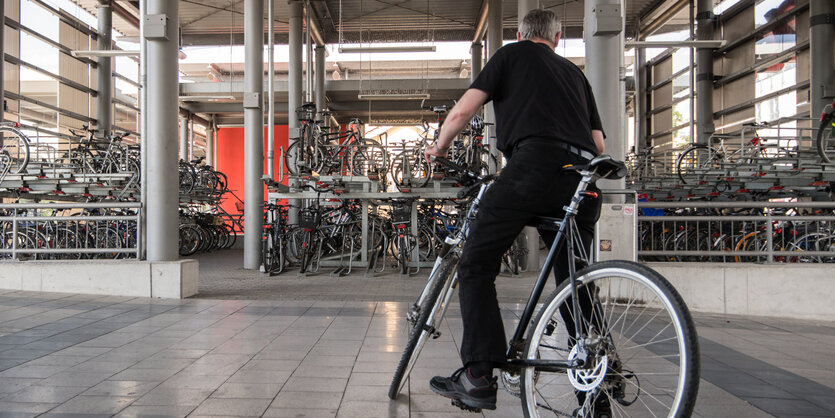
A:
(537, 93)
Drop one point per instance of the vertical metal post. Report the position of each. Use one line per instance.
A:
(270, 90)
(191, 138)
(523, 7)
(494, 42)
(2, 59)
(476, 64)
(253, 131)
(769, 239)
(308, 68)
(822, 66)
(640, 99)
(105, 69)
(143, 128)
(14, 234)
(691, 75)
(704, 72)
(294, 89)
(321, 98)
(183, 138)
(161, 124)
(210, 143)
(604, 70)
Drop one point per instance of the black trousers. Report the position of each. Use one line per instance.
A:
(533, 184)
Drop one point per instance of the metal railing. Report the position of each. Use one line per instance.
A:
(761, 232)
(38, 231)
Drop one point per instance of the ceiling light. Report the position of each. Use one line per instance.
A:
(387, 49)
(105, 53)
(393, 96)
(205, 98)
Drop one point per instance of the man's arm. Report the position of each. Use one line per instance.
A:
(460, 115)
(597, 136)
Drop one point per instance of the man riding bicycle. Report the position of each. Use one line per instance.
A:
(546, 118)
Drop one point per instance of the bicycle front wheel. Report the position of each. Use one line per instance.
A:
(430, 314)
(826, 138)
(14, 151)
(640, 339)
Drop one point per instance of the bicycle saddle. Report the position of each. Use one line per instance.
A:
(607, 167)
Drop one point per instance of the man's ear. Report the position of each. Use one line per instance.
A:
(518, 36)
(557, 38)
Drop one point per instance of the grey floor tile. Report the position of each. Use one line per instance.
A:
(373, 409)
(123, 388)
(94, 405)
(247, 390)
(149, 411)
(232, 407)
(304, 400)
(170, 396)
(46, 394)
(296, 413)
(316, 384)
(255, 376)
(28, 407)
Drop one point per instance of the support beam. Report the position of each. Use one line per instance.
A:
(704, 72)
(523, 7)
(640, 99)
(822, 68)
(183, 138)
(210, 144)
(494, 42)
(2, 54)
(604, 69)
(253, 131)
(105, 69)
(294, 88)
(190, 139)
(161, 123)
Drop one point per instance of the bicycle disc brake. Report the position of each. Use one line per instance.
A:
(588, 378)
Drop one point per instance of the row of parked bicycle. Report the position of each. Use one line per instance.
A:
(784, 236)
(330, 230)
(68, 234)
(320, 150)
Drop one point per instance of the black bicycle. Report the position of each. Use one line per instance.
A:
(826, 134)
(615, 335)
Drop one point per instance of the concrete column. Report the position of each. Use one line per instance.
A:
(210, 144)
(822, 68)
(308, 68)
(161, 138)
(183, 137)
(2, 54)
(105, 69)
(253, 131)
(321, 99)
(270, 90)
(640, 99)
(494, 42)
(477, 54)
(704, 72)
(604, 70)
(294, 88)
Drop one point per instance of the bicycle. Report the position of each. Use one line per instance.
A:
(14, 149)
(564, 360)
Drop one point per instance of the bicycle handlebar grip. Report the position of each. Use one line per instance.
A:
(450, 164)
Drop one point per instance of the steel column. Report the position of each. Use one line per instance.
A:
(105, 69)
(2, 54)
(704, 72)
(494, 42)
(253, 131)
(161, 123)
(308, 68)
(822, 66)
(210, 143)
(183, 137)
(191, 138)
(270, 90)
(523, 7)
(604, 70)
(321, 98)
(294, 87)
(640, 71)
(477, 55)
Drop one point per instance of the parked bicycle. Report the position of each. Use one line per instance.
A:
(633, 342)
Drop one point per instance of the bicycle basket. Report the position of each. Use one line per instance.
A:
(401, 213)
(309, 218)
(306, 112)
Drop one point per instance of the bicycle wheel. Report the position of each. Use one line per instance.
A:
(826, 138)
(14, 151)
(693, 163)
(429, 316)
(641, 342)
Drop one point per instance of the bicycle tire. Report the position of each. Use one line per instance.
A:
(674, 344)
(826, 138)
(693, 160)
(14, 153)
(428, 312)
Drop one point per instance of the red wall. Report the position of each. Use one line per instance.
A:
(229, 159)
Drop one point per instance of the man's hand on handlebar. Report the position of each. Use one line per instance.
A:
(433, 151)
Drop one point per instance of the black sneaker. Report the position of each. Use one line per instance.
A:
(472, 392)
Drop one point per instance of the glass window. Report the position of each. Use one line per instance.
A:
(681, 116)
(38, 53)
(777, 107)
(681, 86)
(39, 19)
(766, 11)
(776, 77)
(724, 5)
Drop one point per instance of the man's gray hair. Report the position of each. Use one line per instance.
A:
(540, 23)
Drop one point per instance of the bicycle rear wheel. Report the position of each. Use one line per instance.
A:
(430, 314)
(14, 151)
(693, 164)
(642, 342)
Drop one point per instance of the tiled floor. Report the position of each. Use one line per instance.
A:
(327, 346)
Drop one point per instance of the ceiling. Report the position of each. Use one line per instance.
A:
(220, 22)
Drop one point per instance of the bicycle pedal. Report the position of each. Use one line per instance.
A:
(435, 335)
(465, 407)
